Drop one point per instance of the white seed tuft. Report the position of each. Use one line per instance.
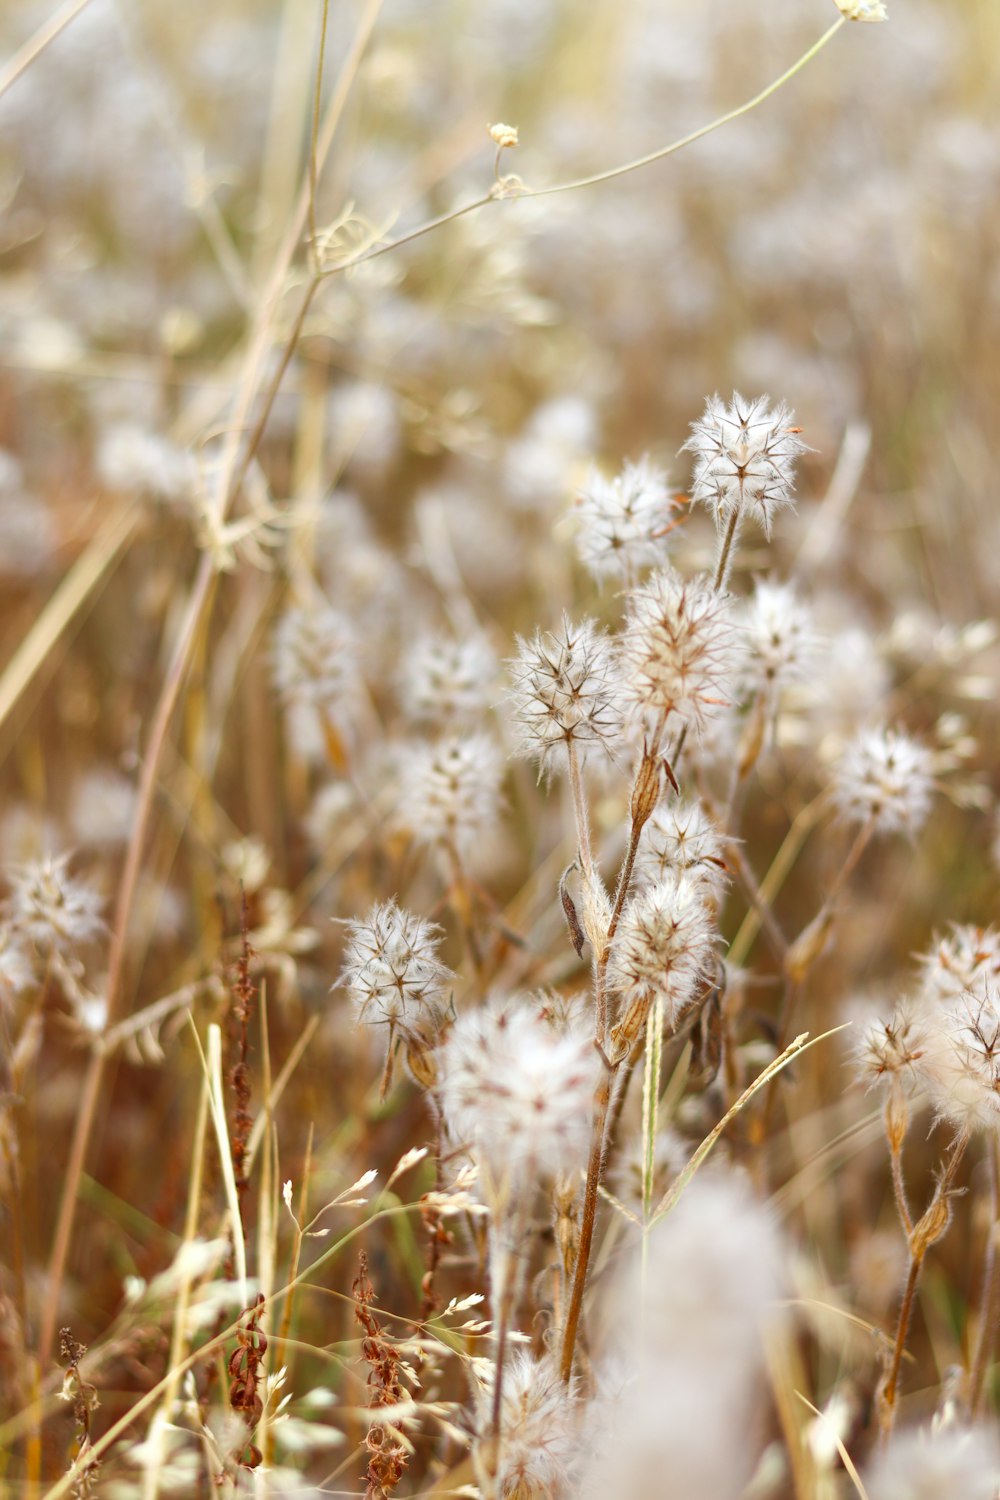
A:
(566, 690)
(884, 777)
(744, 459)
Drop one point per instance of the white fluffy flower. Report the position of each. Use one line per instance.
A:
(391, 968)
(566, 690)
(779, 637)
(665, 947)
(446, 681)
(51, 909)
(862, 10)
(744, 458)
(517, 1091)
(622, 523)
(890, 1053)
(315, 659)
(960, 1463)
(885, 778)
(967, 955)
(679, 650)
(681, 839)
(537, 1420)
(960, 1064)
(450, 790)
(131, 459)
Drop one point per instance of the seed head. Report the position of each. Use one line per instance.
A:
(315, 659)
(921, 1465)
(623, 522)
(537, 1419)
(679, 650)
(965, 956)
(391, 969)
(566, 690)
(448, 682)
(779, 638)
(516, 1091)
(961, 1061)
(665, 947)
(885, 777)
(744, 459)
(450, 790)
(862, 10)
(51, 909)
(891, 1052)
(681, 839)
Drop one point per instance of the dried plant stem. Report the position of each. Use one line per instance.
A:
(925, 1233)
(602, 1101)
(37, 44)
(989, 1303)
(725, 559)
(581, 812)
(899, 1184)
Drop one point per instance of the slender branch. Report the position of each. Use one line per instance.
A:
(581, 812)
(602, 1100)
(314, 137)
(724, 562)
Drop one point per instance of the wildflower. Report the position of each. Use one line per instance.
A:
(664, 947)
(862, 10)
(681, 839)
(450, 791)
(744, 459)
(921, 1465)
(447, 681)
(890, 1052)
(959, 960)
(51, 909)
(517, 1092)
(315, 658)
(135, 461)
(503, 135)
(391, 969)
(961, 1061)
(16, 972)
(566, 691)
(679, 650)
(537, 1413)
(884, 778)
(103, 808)
(622, 523)
(779, 638)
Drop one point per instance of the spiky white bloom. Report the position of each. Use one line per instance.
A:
(516, 1091)
(779, 637)
(679, 650)
(692, 1322)
(446, 681)
(566, 689)
(885, 777)
(134, 460)
(51, 908)
(890, 1053)
(960, 1064)
(391, 968)
(622, 523)
(744, 459)
(862, 10)
(954, 965)
(315, 659)
(537, 1420)
(103, 808)
(681, 839)
(963, 1463)
(665, 946)
(449, 790)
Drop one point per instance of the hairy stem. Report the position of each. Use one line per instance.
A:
(724, 561)
(602, 1100)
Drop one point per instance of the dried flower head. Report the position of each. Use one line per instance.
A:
(446, 681)
(517, 1092)
(884, 778)
(681, 839)
(679, 650)
(622, 523)
(315, 658)
(890, 1052)
(921, 1465)
(450, 790)
(955, 964)
(779, 637)
(537, 1419)
(504, 136)
(744, 459)
(51, 908)
(960, 1065)
(566, 691)
(16, 970)
(391, 968)
(862, 10)
(665, 947)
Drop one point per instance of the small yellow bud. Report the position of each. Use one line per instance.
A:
(503, 135)
(863, 10)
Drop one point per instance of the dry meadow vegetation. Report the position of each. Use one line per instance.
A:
(499, 662)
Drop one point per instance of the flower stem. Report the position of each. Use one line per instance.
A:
(724, 561)
(602, 1100)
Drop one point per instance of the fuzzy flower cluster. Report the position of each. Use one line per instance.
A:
(391, 969)
(516, 1090)
(566, 692)
(446, 681)
(537, 1419)
(665, 948)
(779, 638)
(681, 839)
(744, 459)
(449, 792)
(50, 909)
(315, 659)
(680, 650)
(922, 1465)
(885, 778)
(623, 522)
